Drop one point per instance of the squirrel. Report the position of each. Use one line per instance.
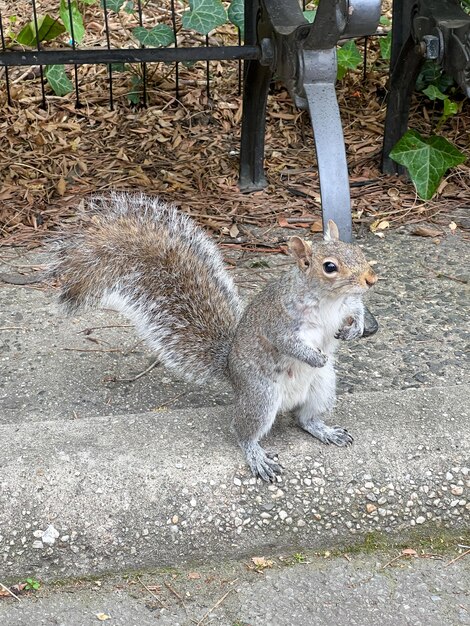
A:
(155, 265)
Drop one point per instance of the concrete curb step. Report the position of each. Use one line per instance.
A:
(128, 492)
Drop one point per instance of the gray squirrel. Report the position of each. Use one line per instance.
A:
(152, 263)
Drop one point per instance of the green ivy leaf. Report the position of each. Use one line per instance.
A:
(118, 67)
(310, 15)
(384, 20)
(113, 5)
(204, 15)
(58, 79)
(385, 44)
(129, 8)
(48, 28)
(77, 21)
(156, 37)
(434, 93)
(136, 85)
(431, 74)
(450, 108)
(349, 58)
(426, 159)
(236, 14)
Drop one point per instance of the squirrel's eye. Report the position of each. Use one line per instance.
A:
(329, 267)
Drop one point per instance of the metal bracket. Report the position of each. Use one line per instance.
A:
(443, 28)
(303, 56)
(426, 29)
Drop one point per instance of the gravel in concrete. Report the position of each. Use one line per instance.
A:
(98, 474)
(52, 369)
(119, 492)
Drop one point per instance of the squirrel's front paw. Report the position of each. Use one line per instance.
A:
(318, 359)
(353, 330)
(322, 359)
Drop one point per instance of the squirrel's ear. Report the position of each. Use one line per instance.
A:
(331, 232)
(301, 250)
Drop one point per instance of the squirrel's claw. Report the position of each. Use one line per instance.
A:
(338, 436)
(268, 470)
(328, 434)
(347, 333)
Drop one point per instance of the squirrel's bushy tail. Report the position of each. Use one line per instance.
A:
(156, 266)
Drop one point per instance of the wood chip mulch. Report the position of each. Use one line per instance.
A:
(187, 152)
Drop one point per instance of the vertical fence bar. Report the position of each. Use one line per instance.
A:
(208, 91)
(38, 45)
(143, 65)
(7, 78)
(110, 67)
(72, 35)
(240, 65)
(175, 33)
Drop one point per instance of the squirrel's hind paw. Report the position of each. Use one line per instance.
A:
(328, 434)
(339, 436)
(262, 464)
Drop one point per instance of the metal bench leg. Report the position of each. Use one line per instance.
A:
(438, 30)
(329, 145)
(303, 56)
(255, 95)
(402, 85)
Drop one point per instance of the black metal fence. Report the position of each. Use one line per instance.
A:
(42, 48)
(282, 40)
(51, 41)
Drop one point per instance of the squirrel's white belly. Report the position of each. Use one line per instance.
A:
(295, 383)
(297, 379)
(321, 338)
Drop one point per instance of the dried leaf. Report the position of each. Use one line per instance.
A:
(426, 231)
(61, 186)
(261, 562)
(409, 552)
(383, 225)
(316, 227)
(233, 231)
(194, 575)
(103, 617)
(379, 225)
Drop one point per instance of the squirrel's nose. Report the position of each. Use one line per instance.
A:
(370, 278)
